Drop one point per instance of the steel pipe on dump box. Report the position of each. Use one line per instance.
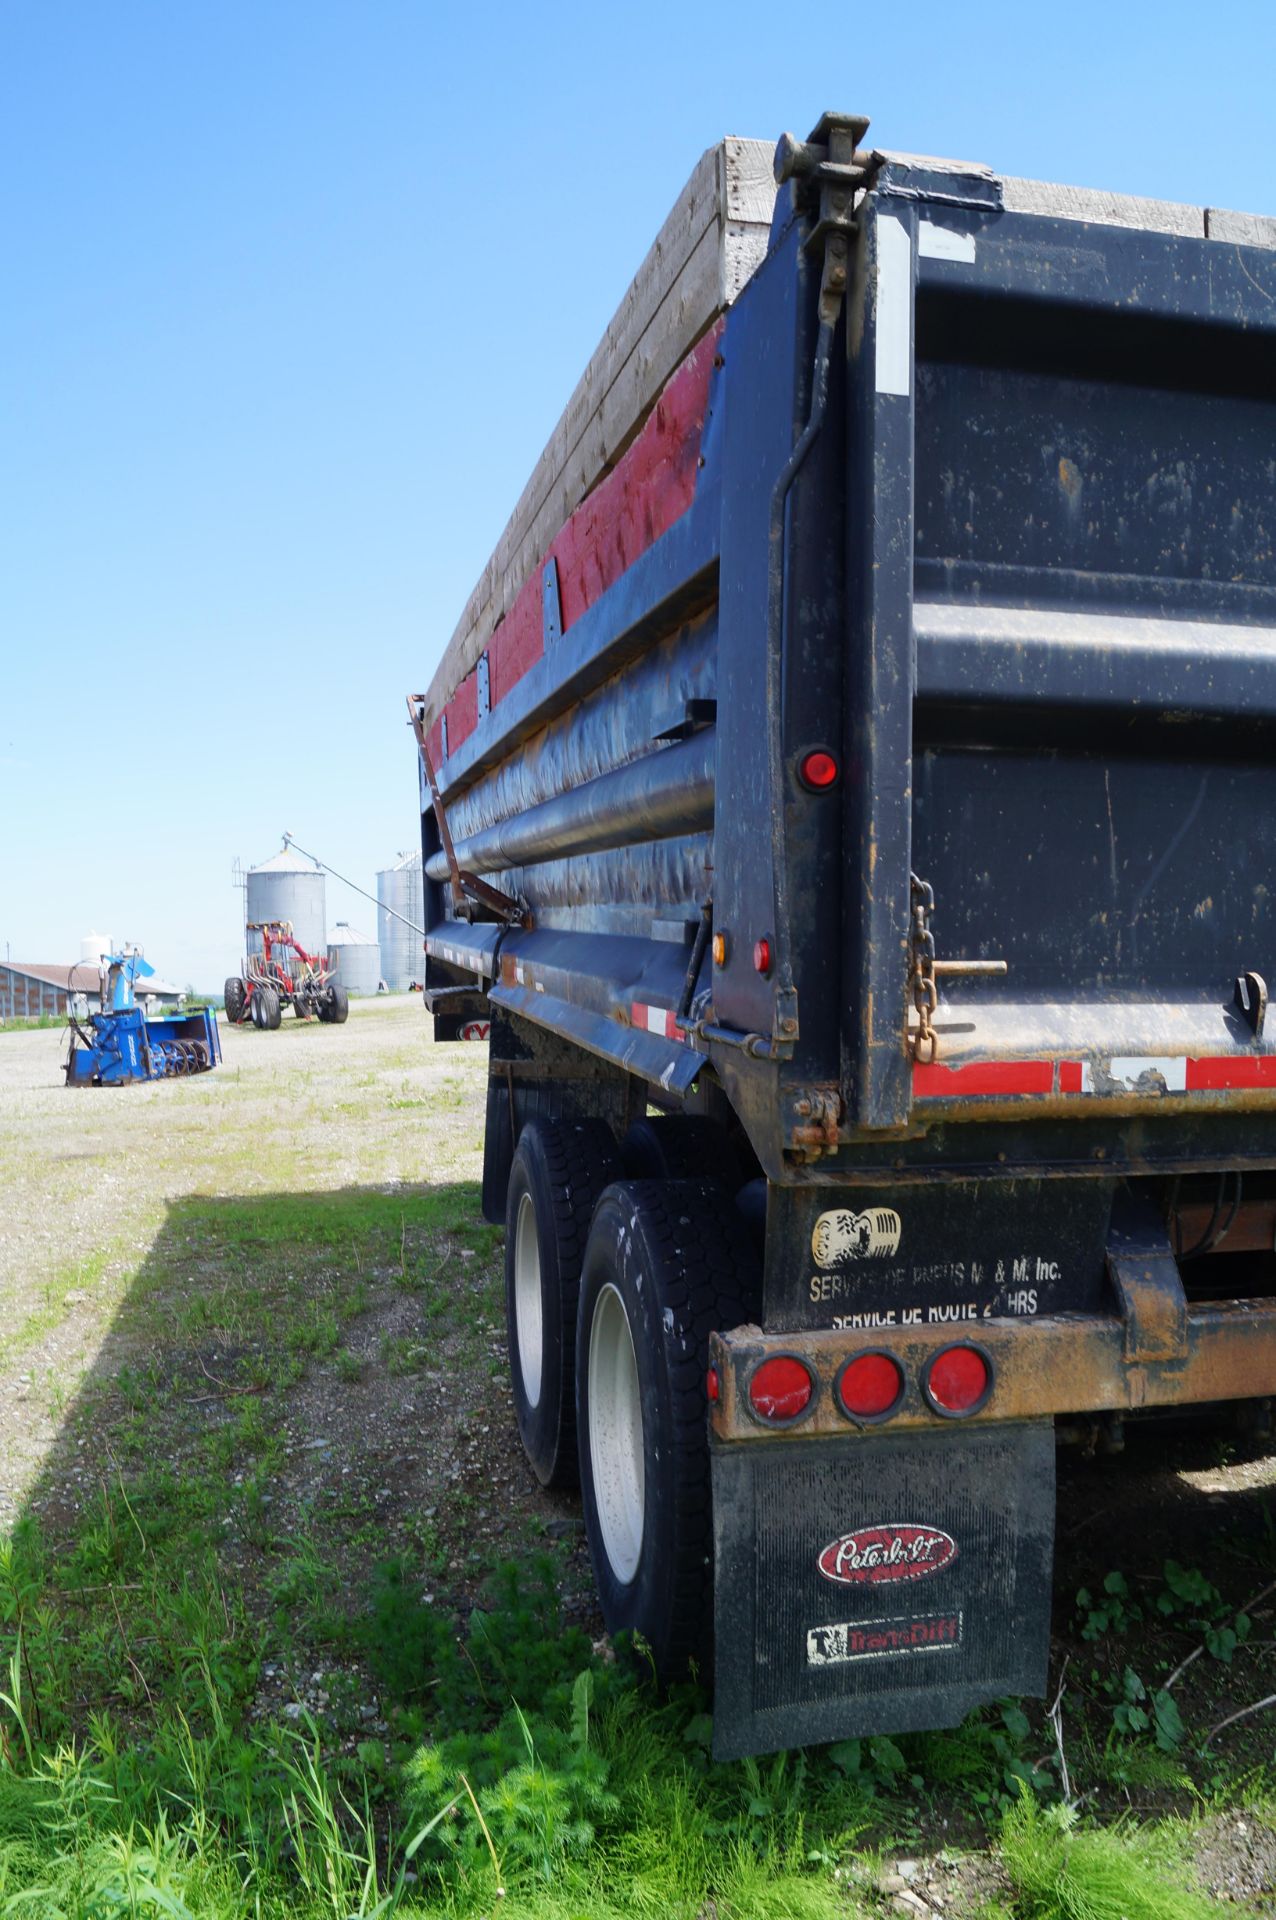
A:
(663, 795)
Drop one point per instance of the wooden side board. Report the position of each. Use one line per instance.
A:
(711, 243)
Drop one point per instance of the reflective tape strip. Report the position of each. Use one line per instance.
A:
(984, 1077)
(1232, 1071)
(1152, 1074)
(659, 1020)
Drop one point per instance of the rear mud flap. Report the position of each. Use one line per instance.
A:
(878, 1584)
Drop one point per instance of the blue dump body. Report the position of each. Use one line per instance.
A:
(884, 863)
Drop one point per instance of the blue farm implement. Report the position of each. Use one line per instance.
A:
(121, 1044)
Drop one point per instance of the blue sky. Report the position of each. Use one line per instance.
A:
(290, 298)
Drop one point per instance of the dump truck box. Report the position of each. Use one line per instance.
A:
(849, 816)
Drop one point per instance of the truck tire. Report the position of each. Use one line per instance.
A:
(300, 1008)
(269, 1000)
(680, 1146)
(668, 1262)
(560, 1168)
(338, 1004)
(233, 998)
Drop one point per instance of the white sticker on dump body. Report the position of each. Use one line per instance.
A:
(941, 243)
(1140, 1073)
(894, 365)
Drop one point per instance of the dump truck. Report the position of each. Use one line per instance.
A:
(849, 819)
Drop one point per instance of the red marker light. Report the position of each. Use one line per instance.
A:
(871, 1386)
(958, 1380)
(712, 1384)
(818, 770)
(780, 1389)
(762, 955)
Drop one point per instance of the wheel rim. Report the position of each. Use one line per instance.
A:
(615, 1434)
(528, 1313)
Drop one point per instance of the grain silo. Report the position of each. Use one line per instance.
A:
(354, 959)
(399, 889)
(289, 887)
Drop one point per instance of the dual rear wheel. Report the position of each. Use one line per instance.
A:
(265, 1009)
(613, 1287)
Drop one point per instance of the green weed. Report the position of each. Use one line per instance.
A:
(1065, 1871)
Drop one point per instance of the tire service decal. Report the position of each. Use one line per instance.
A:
(886, 1555)
(841, 1237)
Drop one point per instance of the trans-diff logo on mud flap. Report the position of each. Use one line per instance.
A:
(884, 1555)
(841, 1236)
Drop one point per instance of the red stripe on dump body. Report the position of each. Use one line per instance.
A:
(938, 1082)
(1242, 1070)
(651, 485)
(1009, 1079)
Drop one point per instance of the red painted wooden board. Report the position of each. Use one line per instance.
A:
(651, 485)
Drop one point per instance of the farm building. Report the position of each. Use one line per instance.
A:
(29, 989)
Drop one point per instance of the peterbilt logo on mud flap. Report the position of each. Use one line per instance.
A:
(842, 1236)
(883, 1555)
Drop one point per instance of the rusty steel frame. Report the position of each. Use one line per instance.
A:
(1071, 1364)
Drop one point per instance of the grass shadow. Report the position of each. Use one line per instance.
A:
(297, 1387)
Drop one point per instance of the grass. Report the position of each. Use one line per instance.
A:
(1064, 1871)
(242, 1674)
(31, 1023)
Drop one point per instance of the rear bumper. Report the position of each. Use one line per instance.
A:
(1072, 1364)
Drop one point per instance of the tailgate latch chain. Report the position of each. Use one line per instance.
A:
(924, 970)
(921, 969)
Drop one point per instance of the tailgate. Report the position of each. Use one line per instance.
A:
(1092, 605)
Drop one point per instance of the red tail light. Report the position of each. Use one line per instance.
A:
(958, 1380)
(871, 1386)
(781, 1388)
(712, 1384)
(818, 770)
